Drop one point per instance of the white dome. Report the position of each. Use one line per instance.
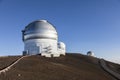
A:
(90, 53)
(61, 45)
(39, 29)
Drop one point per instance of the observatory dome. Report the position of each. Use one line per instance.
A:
(61, 45)
(90, 53)
(40, 37)
(40, 29)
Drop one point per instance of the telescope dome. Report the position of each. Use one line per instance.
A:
(61, 45)
(90, 53)
(40, 29)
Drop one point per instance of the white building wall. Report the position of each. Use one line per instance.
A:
(44, 46)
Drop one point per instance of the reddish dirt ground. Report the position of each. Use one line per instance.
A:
(70, 67)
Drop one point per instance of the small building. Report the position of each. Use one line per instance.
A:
(40, 37)
(90, 53)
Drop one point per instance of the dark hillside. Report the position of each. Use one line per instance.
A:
(69, 67)
(6, 61)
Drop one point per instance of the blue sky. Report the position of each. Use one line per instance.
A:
(82, 24)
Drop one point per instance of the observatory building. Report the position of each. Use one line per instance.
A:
(40, 37)
(90, 53)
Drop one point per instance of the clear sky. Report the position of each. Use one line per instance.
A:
(82, 24)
